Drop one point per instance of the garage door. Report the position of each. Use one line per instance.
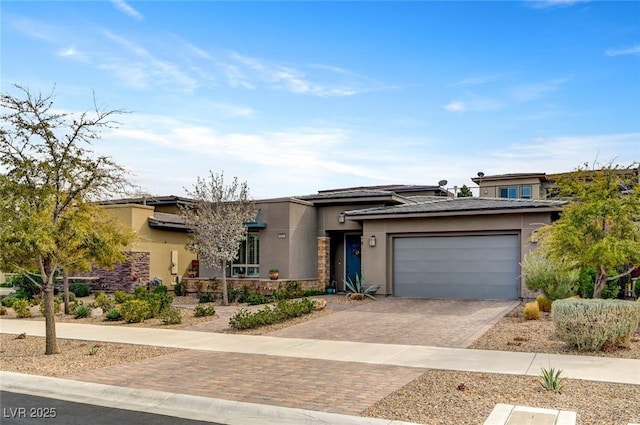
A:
(462, 267)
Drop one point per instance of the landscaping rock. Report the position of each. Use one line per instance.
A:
(96, 313)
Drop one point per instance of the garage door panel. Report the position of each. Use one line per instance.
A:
(464, 267)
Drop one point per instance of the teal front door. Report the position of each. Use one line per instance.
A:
(352, 256)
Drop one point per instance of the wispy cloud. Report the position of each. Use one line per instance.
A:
(316, 80)
(634, 50)
(527, 92)
(456, 106)
(546, 4)
(37, 29)
(127, 9)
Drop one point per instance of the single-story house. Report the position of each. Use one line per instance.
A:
(413, 241)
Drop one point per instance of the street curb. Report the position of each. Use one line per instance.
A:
(177, 405)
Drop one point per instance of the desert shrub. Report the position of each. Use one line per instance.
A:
(289, 290)
(544, 303)
(11, 298)
(202, 310)
(79, 289)
(171, 316)
(81, 311)
(206, 297)
(256, 299)
(113, 315)
(135, 311)
(595, 324)
(121, 297)
(104, 301)
(551, 380)
(283, 310)
(239, 295)
(57, 304)
(160, 289)
(554, 280)
(531, 311)
(22, 308)
(140, 293)
(28, 284)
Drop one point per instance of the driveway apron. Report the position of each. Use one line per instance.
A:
(406, 321)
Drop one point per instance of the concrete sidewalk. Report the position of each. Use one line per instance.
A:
(604, 369)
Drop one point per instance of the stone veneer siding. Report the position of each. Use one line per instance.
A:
(124, 276)
(260, 286)
(324, 265)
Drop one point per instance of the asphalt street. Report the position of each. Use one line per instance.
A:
(21, 409)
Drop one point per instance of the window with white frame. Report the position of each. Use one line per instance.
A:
(247, 263)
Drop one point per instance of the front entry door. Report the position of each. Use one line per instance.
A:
(353, 245)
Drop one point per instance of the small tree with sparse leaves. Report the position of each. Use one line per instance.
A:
(217, 221)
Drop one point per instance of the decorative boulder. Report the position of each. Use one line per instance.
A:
(320, 303)
(96, 313)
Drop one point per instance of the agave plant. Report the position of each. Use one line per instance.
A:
(358, 287)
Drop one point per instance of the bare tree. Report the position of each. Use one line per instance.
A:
(218, 221)
(48, 176)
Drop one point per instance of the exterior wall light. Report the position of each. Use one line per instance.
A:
(372, 240)
(341, 218)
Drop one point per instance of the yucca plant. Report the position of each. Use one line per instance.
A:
(551, 380)
(358, 287)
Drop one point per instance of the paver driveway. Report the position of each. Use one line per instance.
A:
(408, 321)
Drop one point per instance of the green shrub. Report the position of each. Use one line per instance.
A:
(113, 315)
(57, 304)
(586, 283)
(595, 324)
(104, 301)
(135, 311)
(22, 308)
(313, 292)
(555, 281)
(81, 311)
(206, 297)
(239, 295)
(160, 289)
(171, 316)
(11, 298)
(202, 310)
(256, 299)
(544, 303)
(79, 289)
(140, 293)
(179, 289)
(28, 284)
(121, 297)
(289, 290)
(283, 310)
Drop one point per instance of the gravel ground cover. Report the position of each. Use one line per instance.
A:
(436, 397)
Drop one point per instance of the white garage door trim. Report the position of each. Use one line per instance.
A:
(458, 267)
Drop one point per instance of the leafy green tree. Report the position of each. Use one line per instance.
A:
(599, 229)
(48, 178)
(218, 221)
(464, 192)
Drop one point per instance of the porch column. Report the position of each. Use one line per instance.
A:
(324, 266)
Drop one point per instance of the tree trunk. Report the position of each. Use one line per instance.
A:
(49, 316)
(600, 283)
(225, 294)
(65, 287)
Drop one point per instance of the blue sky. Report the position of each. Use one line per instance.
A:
(296, 97)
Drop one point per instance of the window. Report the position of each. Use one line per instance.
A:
(513, 192)
(247, 262)
(510, 192)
